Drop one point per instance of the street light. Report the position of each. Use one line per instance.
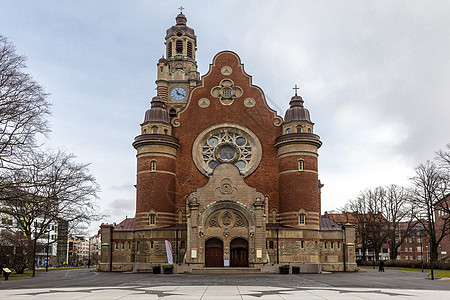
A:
(48, 245)
(89, 253)
(421, 246)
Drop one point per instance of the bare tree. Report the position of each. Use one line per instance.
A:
(16, 250)
(50, 187)
(371, 225)
(443, 158)
(23, 107)
(398, 210)
(431, 186)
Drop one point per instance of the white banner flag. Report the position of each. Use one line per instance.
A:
(169, 252)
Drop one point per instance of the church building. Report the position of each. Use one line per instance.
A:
(223, 181)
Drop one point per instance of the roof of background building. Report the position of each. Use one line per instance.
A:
(128, 224)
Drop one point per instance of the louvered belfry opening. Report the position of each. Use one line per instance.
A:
(169, 50)
(179, 47)
(189, 49)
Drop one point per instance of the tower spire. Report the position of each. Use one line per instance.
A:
(295, 88)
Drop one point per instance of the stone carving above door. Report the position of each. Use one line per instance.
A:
(226, 219)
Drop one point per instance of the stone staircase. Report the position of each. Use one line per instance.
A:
(221, 270)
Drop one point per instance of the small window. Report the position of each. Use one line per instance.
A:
(332, 245)
(153, 166)
(145, 131)
(302, 244)
(166, 131)
(301, 219)
(152, 219)
(162, 69)
(339, 245)
(301, 165)
(270, 244)
(189, 49)
(309, 130)
(288, 131)
(172, 113)
(129, 245)
(154, 130)
(117, 245)
(183, 244)
(179, 47)
(299, 129)
(151, 244)
(123, 245)
(325, 245)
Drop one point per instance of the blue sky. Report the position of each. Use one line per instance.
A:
(374, 74)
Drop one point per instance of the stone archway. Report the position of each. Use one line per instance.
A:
(214, 252)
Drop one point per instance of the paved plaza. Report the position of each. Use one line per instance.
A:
(90, 284)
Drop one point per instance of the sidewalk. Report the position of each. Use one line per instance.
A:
(222, 293)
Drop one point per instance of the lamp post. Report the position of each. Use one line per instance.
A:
(430, 239)
(89, 253)
(421, 246)
(34, 248)
(48, 245)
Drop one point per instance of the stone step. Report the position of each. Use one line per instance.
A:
(226, 270)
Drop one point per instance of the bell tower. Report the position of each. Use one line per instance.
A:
(177, 73)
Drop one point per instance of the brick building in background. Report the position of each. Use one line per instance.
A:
(222, 177)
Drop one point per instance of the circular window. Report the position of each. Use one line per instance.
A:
(213, 141)
(227, 153)
(226, 143)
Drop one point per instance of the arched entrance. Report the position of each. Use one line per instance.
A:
(214, 253)
(239, 253)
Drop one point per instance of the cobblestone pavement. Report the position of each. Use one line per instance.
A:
(89, 284)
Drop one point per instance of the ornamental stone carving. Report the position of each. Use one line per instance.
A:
(226, 92)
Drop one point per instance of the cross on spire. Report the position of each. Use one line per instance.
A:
(181, 9)
(295, 88)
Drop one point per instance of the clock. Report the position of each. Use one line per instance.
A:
(178, 93)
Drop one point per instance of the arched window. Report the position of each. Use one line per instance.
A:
(165, 131)
(299, 129)
(153, 166)
(288, 130)
(152, 220)
(145, 131)
(302, 244)
(301, 219)
(154, 130)
(169, 50)
(179, 47)
(301, 165)
(151, 244)
(309, 130)
(189, 49)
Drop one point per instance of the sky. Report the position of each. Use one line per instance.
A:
(375, 76)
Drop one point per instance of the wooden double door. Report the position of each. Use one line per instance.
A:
(239, 253)
(214, 253)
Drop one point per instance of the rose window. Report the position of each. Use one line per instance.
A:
(227, 144)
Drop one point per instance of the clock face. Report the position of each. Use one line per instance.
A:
(178, 93)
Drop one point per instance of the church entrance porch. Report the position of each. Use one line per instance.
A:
(239, 253)
(214, 253)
